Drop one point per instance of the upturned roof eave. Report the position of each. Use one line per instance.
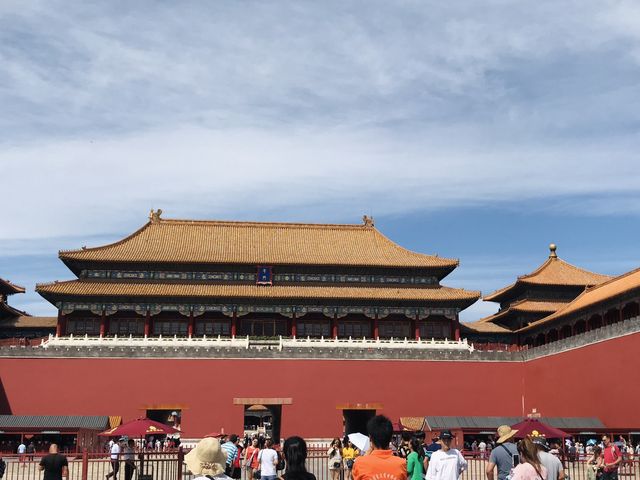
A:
(419, 260)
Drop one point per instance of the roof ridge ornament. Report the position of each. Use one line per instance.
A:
(552, 251)
(368, 221)
(154, 217)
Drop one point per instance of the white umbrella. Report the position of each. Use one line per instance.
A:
(360, 441)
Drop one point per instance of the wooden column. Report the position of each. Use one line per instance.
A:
(416, 327)
(334, 326)
(190, 325)
(60, 330)
(456, 330)
(147, 324)
(376, 331)
(294, 325)
(234, 325)
(620, 318)
(103, 324)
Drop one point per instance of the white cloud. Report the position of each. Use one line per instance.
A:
(311, 111)
(101, 186)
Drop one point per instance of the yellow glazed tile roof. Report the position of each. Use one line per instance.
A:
(595, 295)
(485, 327)
(527, 306)
(159, 289)
(219, 242)
(25, 321)
(554, 271)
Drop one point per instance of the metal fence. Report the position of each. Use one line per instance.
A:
(95, 466)
(170, 466)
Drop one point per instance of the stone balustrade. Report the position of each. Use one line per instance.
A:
(144, 342)
(392, 343)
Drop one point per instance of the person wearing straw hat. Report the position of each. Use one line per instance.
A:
(505, 455)
(207, 460)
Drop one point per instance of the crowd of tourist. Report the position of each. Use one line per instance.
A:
(530, 458)
(380, 457)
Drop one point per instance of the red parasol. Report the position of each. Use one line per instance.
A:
(533, 426)
(140, 428)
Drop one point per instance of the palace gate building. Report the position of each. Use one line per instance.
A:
(310, 329)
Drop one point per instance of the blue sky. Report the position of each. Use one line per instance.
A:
(478, 130)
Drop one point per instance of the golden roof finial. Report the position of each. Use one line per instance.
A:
(552, 251)
(155, 216)
(368, 221)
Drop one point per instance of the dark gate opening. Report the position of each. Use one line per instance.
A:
(355, 421)
(263, 420)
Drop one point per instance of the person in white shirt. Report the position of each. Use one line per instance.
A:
(22, 450)
(446, 463)
(268, 459)
(115, 458)
(482, 446)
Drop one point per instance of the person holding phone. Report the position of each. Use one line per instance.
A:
(335, 459)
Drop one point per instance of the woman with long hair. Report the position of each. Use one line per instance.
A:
(415, 460)
(594, 463)
(295, 456)
(251, 462)
(530, 467)
(335, 459)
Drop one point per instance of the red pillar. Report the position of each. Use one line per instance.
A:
(234, 324)
(376, 331)
(147, 324)
(190, 325)
(456, 332)
(416, 327)
(60, 330)
(294, 325)
(103, 324)
(620, 314)
(334, 326)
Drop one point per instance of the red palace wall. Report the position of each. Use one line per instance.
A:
(208, 387)
(599, 380)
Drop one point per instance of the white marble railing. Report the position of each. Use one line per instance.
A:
(245, 342)
(144, 342)
(392, 343)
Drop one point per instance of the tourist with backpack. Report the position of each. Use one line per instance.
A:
(612, 458)
(504, 456)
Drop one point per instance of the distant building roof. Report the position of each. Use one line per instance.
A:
(7, 311)
(91, 288)
(27, 321)
(471, 423)
(224, 242)
(8, 288)
(482, 326)
(53, 422)
(554, 272)
(591, 297)
(521, 306)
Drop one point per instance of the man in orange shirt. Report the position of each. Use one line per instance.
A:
(380, 463)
